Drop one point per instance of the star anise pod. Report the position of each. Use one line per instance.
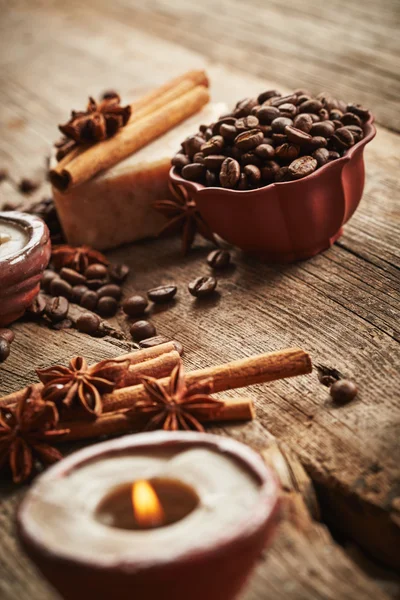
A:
(184, 218)
(76, 257)
(100, 121)
(176, 406)
(80, 384)
(26, 431)
(63, 147)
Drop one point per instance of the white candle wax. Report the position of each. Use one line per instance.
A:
(12, 238)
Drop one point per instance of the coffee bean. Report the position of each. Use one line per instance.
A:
(253, 174)
(288, 110)
(211, 178)
(118, 273)
(202, 286)
(321, 155)
(57, 309)
(343, 391)
(96, 271)
(107, 306)
(214, 161)
(316, 142)
(110, 289)
(89, 300)
(357, 132)
(219, 259)
(180, 160)
(250, 158)
(324, 129)
(243, 107)
(303, 98)
(7, 334)
(338, 124)
(38, 307)
(246, 123)
(342, 139)
(192, 144)
(5, 349)
(77, 293)
(193, 172)
(213, 146)
(289, 99)
(208, 134)
(230, 173)
(95, 284)
(283, 174)
(47, 278)
(157, 340)
(223, 121)
(278, 125)
(228, 131)
(88, 323)
(358, 110)
(269, 171)
(350, 118)
(328, 101)
(333, 155)
(287, 152)
(64, 324)
(297, 136)
(323, 114)
(310, 106)
(198, 158)
(301, 92)
(303, 166)
(142, 330)
(249, 139)
(243, 183)
(72, 277)
(265, 151)
(59, 287)
(266, 114)
(335, 114)
(162, 293)
(279, 138)
(134, 305)
(264, 96)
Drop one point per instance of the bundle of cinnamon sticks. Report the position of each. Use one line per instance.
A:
(152, 115)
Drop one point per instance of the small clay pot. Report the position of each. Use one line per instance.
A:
(216, 571)
(287, 221)
(21, 272)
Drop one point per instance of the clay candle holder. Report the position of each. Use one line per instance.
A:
(160, 516)
(287, 221)
(24, 254)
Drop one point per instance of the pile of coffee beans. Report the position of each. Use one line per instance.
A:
(272, 138)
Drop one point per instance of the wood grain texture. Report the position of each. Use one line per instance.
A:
(342, 306)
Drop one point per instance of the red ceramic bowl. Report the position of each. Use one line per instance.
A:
(21, 271)
(216, 571)
(288, 221)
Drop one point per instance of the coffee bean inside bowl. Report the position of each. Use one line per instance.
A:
(271, 138)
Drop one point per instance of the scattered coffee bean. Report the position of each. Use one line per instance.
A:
(107, 306)
(303, 166)
(157, 340)
(142, 330)
(27, 186)
(135, 306)
(57, 309)
(230, 173)
(110, 289)
(77, 293)
(88, 323)
(47, 278)
(118, 273)
(343, 391)
(72, 276)
(7, 334)
(59, 287)
(89, 300)
(95, 284)
(5, 349)
(96, 271)
(37, 308)
(202, 286)
(219, 259)
(163, 293)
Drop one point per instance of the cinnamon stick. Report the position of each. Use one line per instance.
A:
(117, 423)
(155, 362)
(236, 374)
(83, 166)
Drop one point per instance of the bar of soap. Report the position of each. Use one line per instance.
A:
(115, 207)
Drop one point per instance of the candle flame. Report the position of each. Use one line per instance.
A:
(146, 505)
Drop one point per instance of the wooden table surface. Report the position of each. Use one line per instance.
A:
(342, 306)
